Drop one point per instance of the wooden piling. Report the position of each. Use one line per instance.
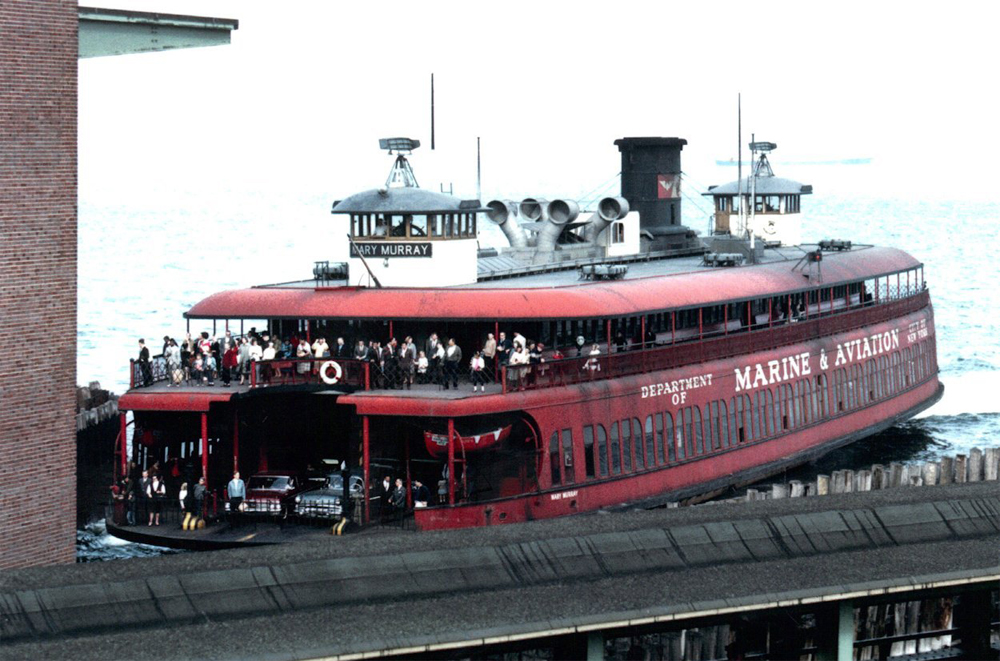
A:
(960, 472)
(976, 465)
(863, 481)
(895, 474)
(916, 481)
(878, 477)
(991, 464)
(947, 471)
(929, 472)
(822, 485)
(779, 491)
(753, 494)
(796, 489)
(848, 481)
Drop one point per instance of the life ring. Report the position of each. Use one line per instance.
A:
(337, 372)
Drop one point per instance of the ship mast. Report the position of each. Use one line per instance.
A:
(739, 158)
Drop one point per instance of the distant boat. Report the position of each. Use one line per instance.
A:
(837, 161)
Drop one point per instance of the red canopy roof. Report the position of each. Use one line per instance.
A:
(579, 301)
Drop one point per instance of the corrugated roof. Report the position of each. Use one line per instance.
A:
(765, 186)
(587, 300)
(403, 200)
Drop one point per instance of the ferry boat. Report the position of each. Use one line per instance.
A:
(668, 365)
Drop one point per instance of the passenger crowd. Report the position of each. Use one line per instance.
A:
(142, 495)
(202, 360)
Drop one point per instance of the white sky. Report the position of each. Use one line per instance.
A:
(299, 99)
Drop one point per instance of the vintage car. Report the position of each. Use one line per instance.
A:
(326, 501)
(271, 492)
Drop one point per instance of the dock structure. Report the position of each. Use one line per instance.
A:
(821, 576)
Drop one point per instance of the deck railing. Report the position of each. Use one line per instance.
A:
(722, 341)
(759, 338)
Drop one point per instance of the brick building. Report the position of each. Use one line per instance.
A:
(38, 90)
(39, 50)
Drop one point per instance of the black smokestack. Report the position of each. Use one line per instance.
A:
(651, 182)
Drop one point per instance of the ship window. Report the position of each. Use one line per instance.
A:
(627, 445)
(554, 458)
(637, 438)
(767, 421)
(712, 411)
(723, 425)
(668, 435)
(824, 400)
(616, 457)
(660, 446)
(699, 440)
(618, 233)
(688, 431)
(588, 450)
(650, 442)
(602, 450)
(434, 225)
(567, 441)
(418, 226)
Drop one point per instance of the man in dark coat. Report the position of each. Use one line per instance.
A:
(144, 368)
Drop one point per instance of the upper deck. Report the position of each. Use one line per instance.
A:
(557, 292)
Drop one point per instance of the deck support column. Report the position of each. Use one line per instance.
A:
(642, 328)
(366, 461)
(609, 335)
(204, 447)
(236, 441)
(409, 481)
(123, 446)
(451, 461)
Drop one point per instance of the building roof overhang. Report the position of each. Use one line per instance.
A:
(106, 32)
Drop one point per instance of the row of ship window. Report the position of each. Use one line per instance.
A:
(719, 319)
(694, 431)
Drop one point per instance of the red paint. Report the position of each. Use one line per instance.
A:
(451, 460)
(592, 300)
(236, 441)
(204, 447)
(123, 438)
(366, 459)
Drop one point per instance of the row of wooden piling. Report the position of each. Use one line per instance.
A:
(94, 405)
(976, 466)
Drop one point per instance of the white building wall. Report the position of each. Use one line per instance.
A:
(630, 246)
(452, 262)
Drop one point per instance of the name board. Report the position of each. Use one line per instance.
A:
(391, 249)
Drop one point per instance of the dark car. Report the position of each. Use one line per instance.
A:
(271, 492)
(326, 501)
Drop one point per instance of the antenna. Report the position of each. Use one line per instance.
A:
(739, 157)
(753, 196)
(479, 173)
(432, 112)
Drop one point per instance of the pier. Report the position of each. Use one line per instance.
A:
(576, 587)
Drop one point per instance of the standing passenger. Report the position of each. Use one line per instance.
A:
(237, 491)
(452, 359)
(477, 366)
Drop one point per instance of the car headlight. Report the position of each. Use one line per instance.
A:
(298, 499)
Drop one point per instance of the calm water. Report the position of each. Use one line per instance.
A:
(144, 259)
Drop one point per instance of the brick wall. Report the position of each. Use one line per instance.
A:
(38, 183)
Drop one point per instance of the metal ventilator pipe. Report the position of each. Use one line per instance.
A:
(503, 213)
(557, 215)
(609, 209)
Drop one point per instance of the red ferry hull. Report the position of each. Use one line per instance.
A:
(741, 462)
